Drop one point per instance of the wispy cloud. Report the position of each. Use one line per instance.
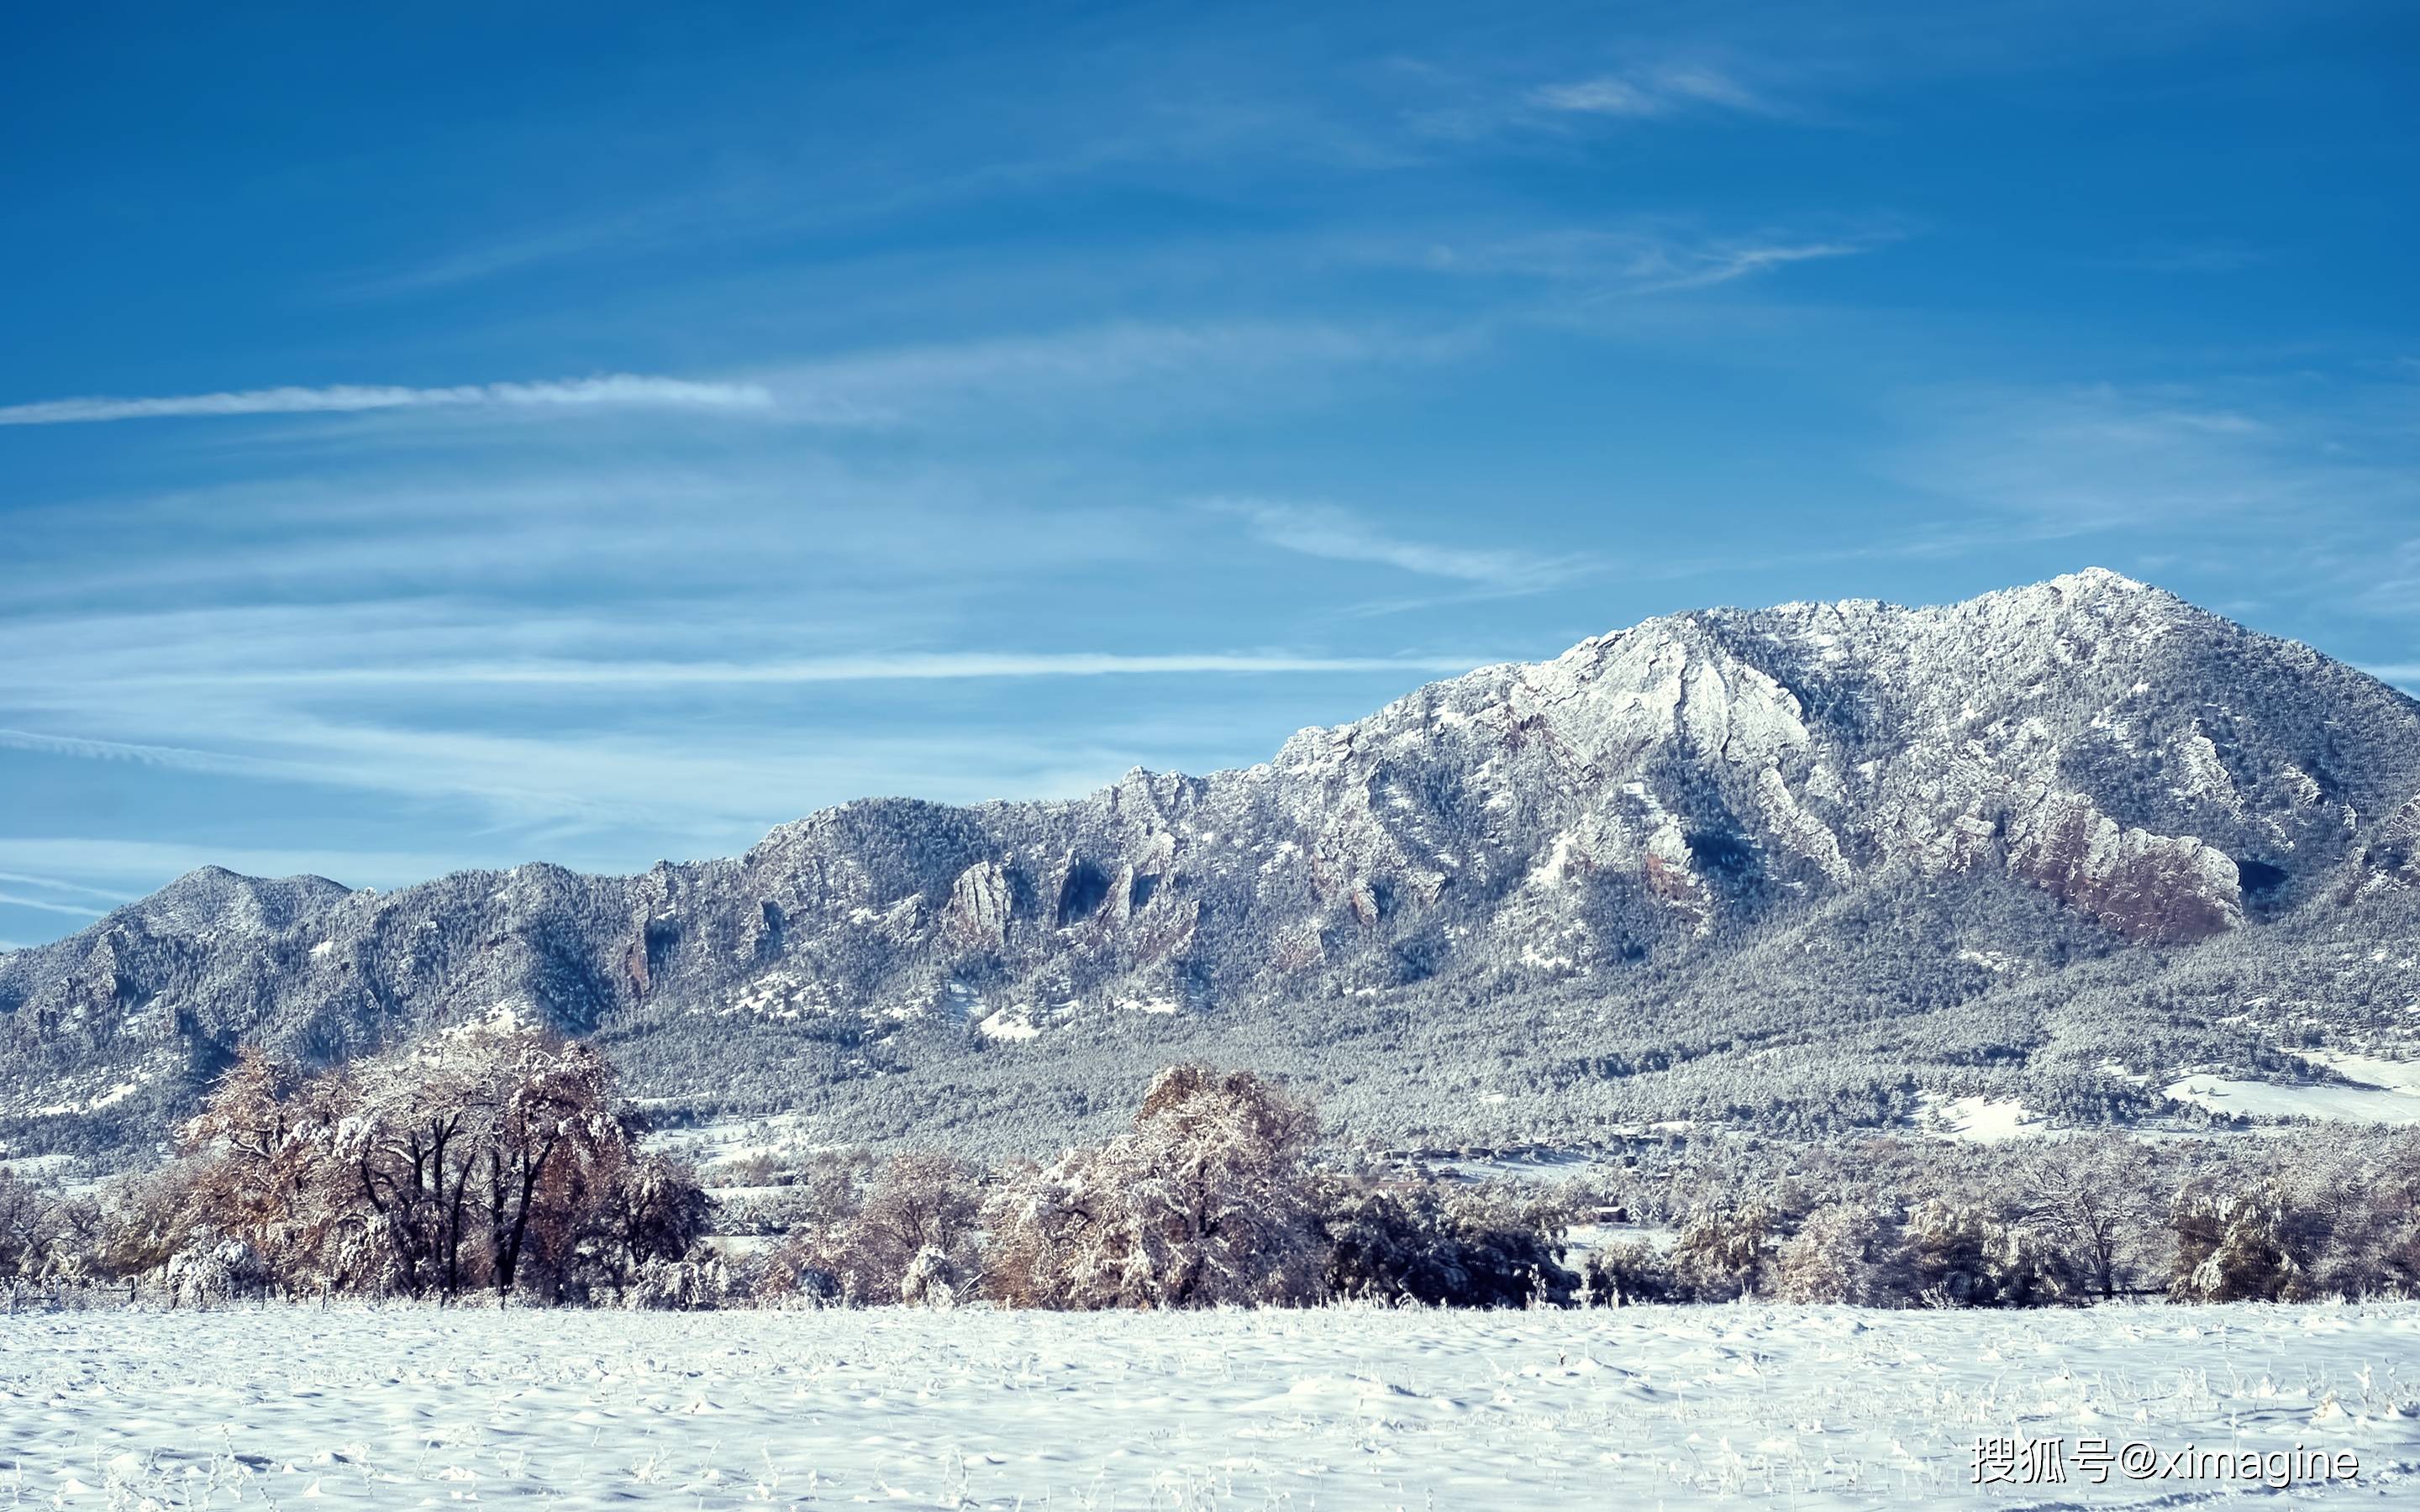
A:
(746, 206)
(1720, 265)
(615, 390)
(2103, 457)
(63, 885)
(59, 902)
(1339, 535)
(1646, 93)
(1649, 257)
(119, 750)
(917, 667)
(14, 900)
(1132, 364)
(309, 695)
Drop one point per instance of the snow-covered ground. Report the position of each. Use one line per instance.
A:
(2384, 1094)
(784, 1137)
(1977, 1120)
(1633, 1408)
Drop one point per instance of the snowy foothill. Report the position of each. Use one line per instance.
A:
(1342, 1408)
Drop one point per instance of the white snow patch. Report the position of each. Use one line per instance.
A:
(1993, 960)
(1976, 1119)
(1009, 1024)
(2372, 1103)
(2394, 1075)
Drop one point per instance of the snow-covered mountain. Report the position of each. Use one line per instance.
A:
(1807, 863)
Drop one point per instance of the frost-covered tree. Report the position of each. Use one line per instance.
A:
(412, 1135)
(492, 1154)
(1423, 1241)
(2255, 1244)
(1204, 1202)
(484, 1145)
(640, 1209)
(552, 1139)
(2362, 1197)
(264, 1171)
(1723, 1253)
(923, 1201)
(2092, 1200)
(1845, 1252)
(1629, 1271)
(1966, 1254)
(809, 1265)
(45, 1235)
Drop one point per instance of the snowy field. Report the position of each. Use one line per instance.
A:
(2382, 1091)
(1633, 1408)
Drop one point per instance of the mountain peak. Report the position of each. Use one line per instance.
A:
(211, 897)
(2103, 580)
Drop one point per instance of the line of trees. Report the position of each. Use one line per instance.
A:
(496, 1160)
(2060, 1221)
(1211, 1199)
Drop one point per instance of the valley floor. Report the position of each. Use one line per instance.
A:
(1345, 1408)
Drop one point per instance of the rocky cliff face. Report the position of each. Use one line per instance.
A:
(1654, 801)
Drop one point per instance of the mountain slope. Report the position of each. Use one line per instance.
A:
(1795, 865)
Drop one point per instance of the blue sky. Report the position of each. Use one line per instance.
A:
(460, 436)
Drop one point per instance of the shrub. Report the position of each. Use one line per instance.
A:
(1631, 1270)
(932, 1279)
(2253, 1245)
(1468, 1247)
(1723, 1253)
(679, 1286)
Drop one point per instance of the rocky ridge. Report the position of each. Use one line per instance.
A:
(2083, 769)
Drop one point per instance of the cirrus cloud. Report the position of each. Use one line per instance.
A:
(1653, 92)
(617, 390)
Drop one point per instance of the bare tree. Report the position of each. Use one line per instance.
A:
(924, 1200)
(548, 1109)
(2091, 1200)
(645, 1208)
